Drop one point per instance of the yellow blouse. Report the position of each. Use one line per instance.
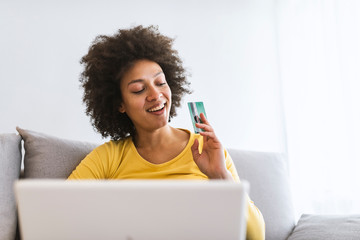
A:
(121, 160)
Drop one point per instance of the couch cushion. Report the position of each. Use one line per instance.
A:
(51, 157)
(10, 164)
(318, 227)
(267, 174)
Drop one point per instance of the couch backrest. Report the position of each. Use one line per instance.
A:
(267, 174)
(10, 164)
(51, 157)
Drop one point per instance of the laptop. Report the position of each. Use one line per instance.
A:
(131, 209)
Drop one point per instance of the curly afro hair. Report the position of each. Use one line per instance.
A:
(108, 58)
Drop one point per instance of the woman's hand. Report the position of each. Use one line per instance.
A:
(211, 161)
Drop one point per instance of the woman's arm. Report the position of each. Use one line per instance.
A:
(216, 163)
(255, 229)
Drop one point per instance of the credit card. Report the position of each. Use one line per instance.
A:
(195, 108)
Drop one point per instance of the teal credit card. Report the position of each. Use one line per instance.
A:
(195, 108)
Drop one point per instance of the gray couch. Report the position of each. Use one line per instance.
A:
(51, 157)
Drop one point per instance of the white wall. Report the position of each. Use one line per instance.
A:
(229, 46)
(320, 59)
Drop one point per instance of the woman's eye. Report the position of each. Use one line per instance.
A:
(162, 83)
(140, 91)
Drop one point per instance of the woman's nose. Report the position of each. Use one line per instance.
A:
(153, 94)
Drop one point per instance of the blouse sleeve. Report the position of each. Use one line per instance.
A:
(255, 224)
(93, 166)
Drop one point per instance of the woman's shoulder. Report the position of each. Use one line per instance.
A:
(112, 145)
(189, 133)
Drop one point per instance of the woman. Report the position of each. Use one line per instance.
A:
(133, 82)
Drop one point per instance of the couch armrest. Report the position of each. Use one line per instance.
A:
(318, 227)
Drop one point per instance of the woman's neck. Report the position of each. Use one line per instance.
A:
(156, 138)
(162, 145)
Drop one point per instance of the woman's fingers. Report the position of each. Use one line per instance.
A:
(204, 127)
(208, 134)
(195, 149)
(203, 118)
(207, 128)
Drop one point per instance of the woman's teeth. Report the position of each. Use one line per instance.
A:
(157, 108)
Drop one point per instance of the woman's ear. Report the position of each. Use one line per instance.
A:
(121, 108)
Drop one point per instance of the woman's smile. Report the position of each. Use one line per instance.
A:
(157, 109)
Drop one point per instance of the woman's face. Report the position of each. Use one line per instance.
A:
(146, 96)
